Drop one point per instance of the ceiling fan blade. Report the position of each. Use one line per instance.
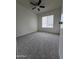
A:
(39, 2)
(32, 3)
(38, 9)
(33, 8)
(42, 6)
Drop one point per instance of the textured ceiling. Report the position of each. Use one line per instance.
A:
(50, 5)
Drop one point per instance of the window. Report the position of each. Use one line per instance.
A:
(47, 21)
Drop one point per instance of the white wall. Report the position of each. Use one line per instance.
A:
(57, 17)
(61, 44)
(26, 21)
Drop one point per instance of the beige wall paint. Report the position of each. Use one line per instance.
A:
(57, 17)
(26, 21)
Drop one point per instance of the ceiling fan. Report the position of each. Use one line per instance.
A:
(37, 5)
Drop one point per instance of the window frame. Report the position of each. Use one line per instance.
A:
(47, 20)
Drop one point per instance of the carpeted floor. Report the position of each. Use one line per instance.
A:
(37, 45)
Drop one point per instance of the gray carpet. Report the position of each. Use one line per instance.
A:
(37, 45)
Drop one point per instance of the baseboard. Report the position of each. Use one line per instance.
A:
(50, 32)
(38, 31)
(26, 34)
